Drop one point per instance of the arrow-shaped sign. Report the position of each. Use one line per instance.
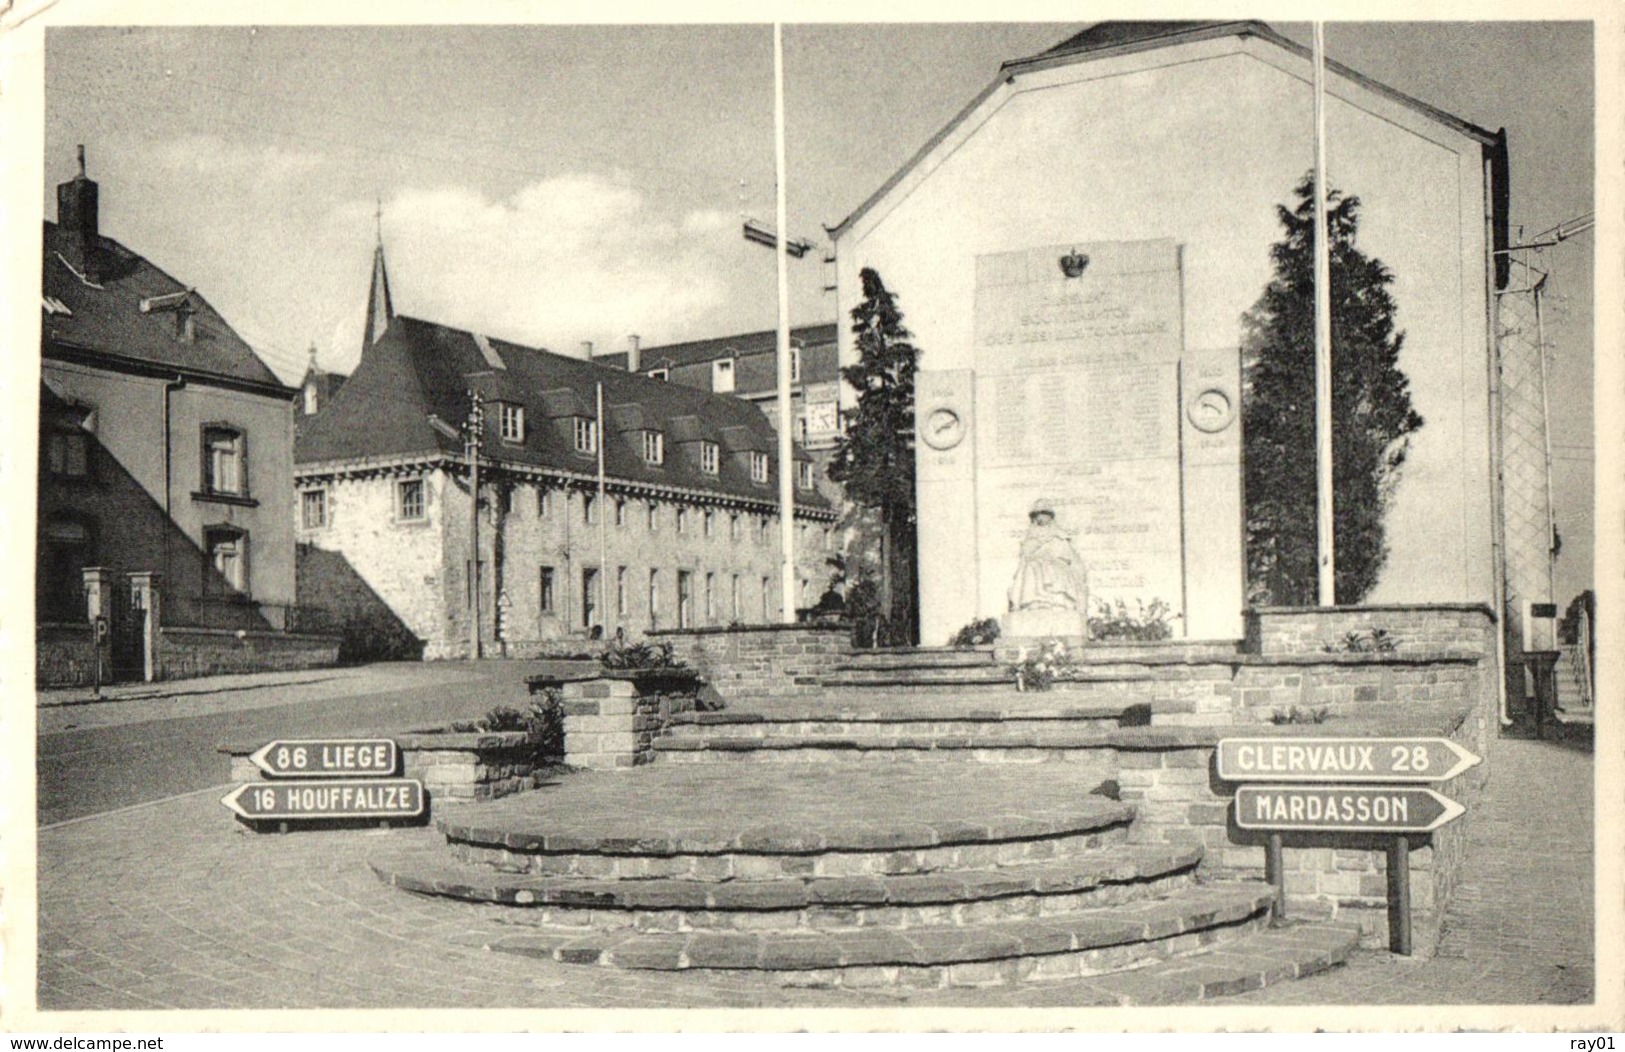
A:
(1342, 759)
(327, 757)
(369, 798)
(1347, 808)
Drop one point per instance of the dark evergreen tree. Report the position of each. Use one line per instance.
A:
(874, 457)
(1372, 417)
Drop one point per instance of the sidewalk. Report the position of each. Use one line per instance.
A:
(176, 906)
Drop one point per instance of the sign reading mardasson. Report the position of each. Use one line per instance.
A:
(374, 798)
(1342, 759)
(1344, 808)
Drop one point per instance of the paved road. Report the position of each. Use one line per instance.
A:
(146, 744)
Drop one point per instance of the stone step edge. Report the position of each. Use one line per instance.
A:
(1204, 907)
(1103, 814)
(1126, 738)
(814, 714)
(1123, 864)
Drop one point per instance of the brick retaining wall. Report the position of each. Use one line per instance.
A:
(612, 720)
(761, 661)
(64, 655)
(187, 652)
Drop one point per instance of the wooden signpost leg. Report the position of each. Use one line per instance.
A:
(1399, 896)
(1277, 876)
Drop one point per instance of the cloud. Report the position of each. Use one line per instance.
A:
(562, 259)
(217, 160)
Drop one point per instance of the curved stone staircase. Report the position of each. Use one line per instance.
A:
(889, 873)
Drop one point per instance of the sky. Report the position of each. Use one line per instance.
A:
(560, 184)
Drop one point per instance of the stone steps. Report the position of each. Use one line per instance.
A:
(897, 901)
(1062, 945)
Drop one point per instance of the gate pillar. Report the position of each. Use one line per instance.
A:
(145, 594)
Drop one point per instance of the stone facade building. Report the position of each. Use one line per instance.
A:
(166, 460)
(608, 500)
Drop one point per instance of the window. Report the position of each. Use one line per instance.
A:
(722, 375)
(826, 538)
(733, 526)
(710, 458)
(804, 475)
(504, 501)
(223, 461)
(710, 598)
(310, 399)
(620, 592)
(620, 511)
(226, 570)
(709, 521)
(67, 547)
(67, 451)
(547, 590)
(409, 500)
(758, 467)
(734, 610)
(654, 516)
(313, 508)
(659, 374)
(801, 428)
(589, 596)
(586, 435)
(544, 498)
(804, 587)
(767, 599)
(795, 365)
(654, 447)
(512, 421)
(763, 531)
(685, 599)
(654, 598)
(682, 519)
(589, 509)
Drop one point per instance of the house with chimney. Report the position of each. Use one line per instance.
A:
(165, 542)
(484, 496)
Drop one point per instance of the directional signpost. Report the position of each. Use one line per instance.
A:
(1342, 759)
(358, 798)
(1323, 801)
(302, 784)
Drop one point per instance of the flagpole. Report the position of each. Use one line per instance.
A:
(787, 525)
(1326, 534)
(603, 522)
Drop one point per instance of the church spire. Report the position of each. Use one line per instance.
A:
(380, 311)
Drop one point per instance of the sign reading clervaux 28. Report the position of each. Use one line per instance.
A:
(1342, 759)
(1344, 808)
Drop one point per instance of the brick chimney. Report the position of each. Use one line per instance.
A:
(634, 353)
(77, 219)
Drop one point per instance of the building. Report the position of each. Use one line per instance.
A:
(608, 501)
(746, 366)
(166, 460)
(1186, 135)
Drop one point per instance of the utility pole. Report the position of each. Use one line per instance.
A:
(475, 434)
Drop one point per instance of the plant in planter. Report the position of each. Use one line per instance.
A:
(1376, 641)
(639, 657)
(1040, 669)
(976, 633)
(1297, 715)
(543, 724)
(1149, 624)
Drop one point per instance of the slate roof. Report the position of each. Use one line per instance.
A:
(1114, 34)
(739, 346)
(108, 319)
(420, 368)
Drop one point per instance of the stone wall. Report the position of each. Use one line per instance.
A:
(762, 661)
(1465, 629)
(611, 720)
(64, 655)
(187, 652)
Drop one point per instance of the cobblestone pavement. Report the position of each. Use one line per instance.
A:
(174, 905)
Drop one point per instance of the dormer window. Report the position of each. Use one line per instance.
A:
(659, 374)
(654, 448)
(722, 376)
(758, 467)
(804, 475)
(710, 458)
(586, 430)
(512, 421)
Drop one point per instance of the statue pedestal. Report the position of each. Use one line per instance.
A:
(1044, 623)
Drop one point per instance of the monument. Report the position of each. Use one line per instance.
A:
(1083, 395)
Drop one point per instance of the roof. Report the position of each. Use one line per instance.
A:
(419, 369)
(738, 346)
(1107, 39)
(106, 318)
